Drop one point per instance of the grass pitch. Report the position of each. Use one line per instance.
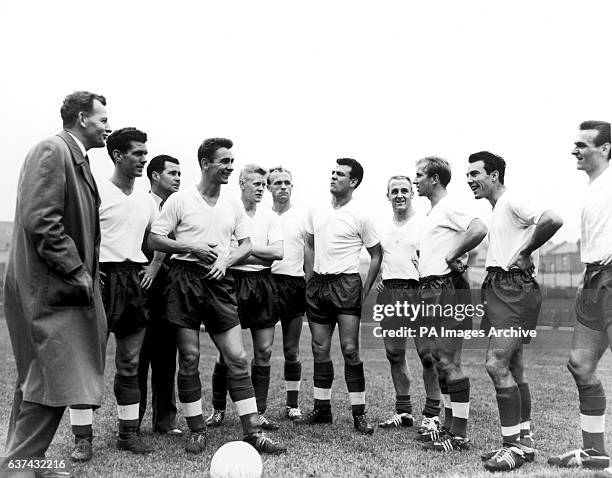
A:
(336, 450)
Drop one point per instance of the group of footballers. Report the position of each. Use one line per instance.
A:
(172, 261)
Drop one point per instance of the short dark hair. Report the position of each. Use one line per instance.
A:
(603, 131)
(356, 169)
(439, 166)
(492, 162)
(76, 102)
(120, 140)
(210, 145)
(158, 164)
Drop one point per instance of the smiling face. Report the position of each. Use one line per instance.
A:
(481, 183)
(341, 182)
(220, 166)
(131, 163)
(280, 186)
(588, 156)
(94, 126)
(252, 186)
(399, 193)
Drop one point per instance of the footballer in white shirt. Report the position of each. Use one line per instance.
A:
(199, 290)
(125, 215)
(519, 226)
(337, 232)
(288, 275)
(592, 330)
(256, 295)
(449, 232)
(399, 240)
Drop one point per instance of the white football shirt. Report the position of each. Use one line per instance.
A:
(194, 221)
(596, 219)
(444, 222)
(265, 230)
(400, 244)
(124, 220)
(339, 235)
(293, 224)
(512, 224)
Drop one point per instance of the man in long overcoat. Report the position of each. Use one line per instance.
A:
(53, 303)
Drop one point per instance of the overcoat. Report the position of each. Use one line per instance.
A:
(57, 327)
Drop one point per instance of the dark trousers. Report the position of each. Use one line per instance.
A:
(31, 428)
(158, 350)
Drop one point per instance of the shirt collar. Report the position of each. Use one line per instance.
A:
(79, 144)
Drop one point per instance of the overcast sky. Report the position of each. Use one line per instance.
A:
(302, 83)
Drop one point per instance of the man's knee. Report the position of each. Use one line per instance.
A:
(350, 351)
(396, 356)
(127, 363)
(237, 361)
(427, 359)
(263, 353)
(581, 367)
(497, 368)
(189, 359)
(291, 353)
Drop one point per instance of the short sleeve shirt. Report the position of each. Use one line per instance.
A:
(441, 228)
(265, 229)
(339, 236)
(293, 224)
(124, 220)
(194, 221)
(400, 244)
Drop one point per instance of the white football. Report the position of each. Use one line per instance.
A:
(236, 459)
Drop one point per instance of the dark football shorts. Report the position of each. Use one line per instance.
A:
(125, 301)
(445, 301)
(594, 298)
(328, 295)
(155, 294)
(512, 299)
(191, 300)
(290, 296)
(402, 292)
(256, 297)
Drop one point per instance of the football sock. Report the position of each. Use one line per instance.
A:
(509, 406)
(459, 391)
(355, 383)
(261, 383)
(403, 404)
(190, 398)
(593, 415)
(219, 386)
(293, 376)
(127, 395)
(242, 394)
(432, 408)
(81, 421)
(323, 379)
(525, 409)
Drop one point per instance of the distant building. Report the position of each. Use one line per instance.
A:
(563, 257)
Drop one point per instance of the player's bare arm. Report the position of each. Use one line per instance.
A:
(149, 272)
(375, 261)
(308, 255)
(205, 252)
(545, 229)
(217, 272)
(271, 252)
(466, 241)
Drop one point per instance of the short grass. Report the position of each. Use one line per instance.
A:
(335, 450)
